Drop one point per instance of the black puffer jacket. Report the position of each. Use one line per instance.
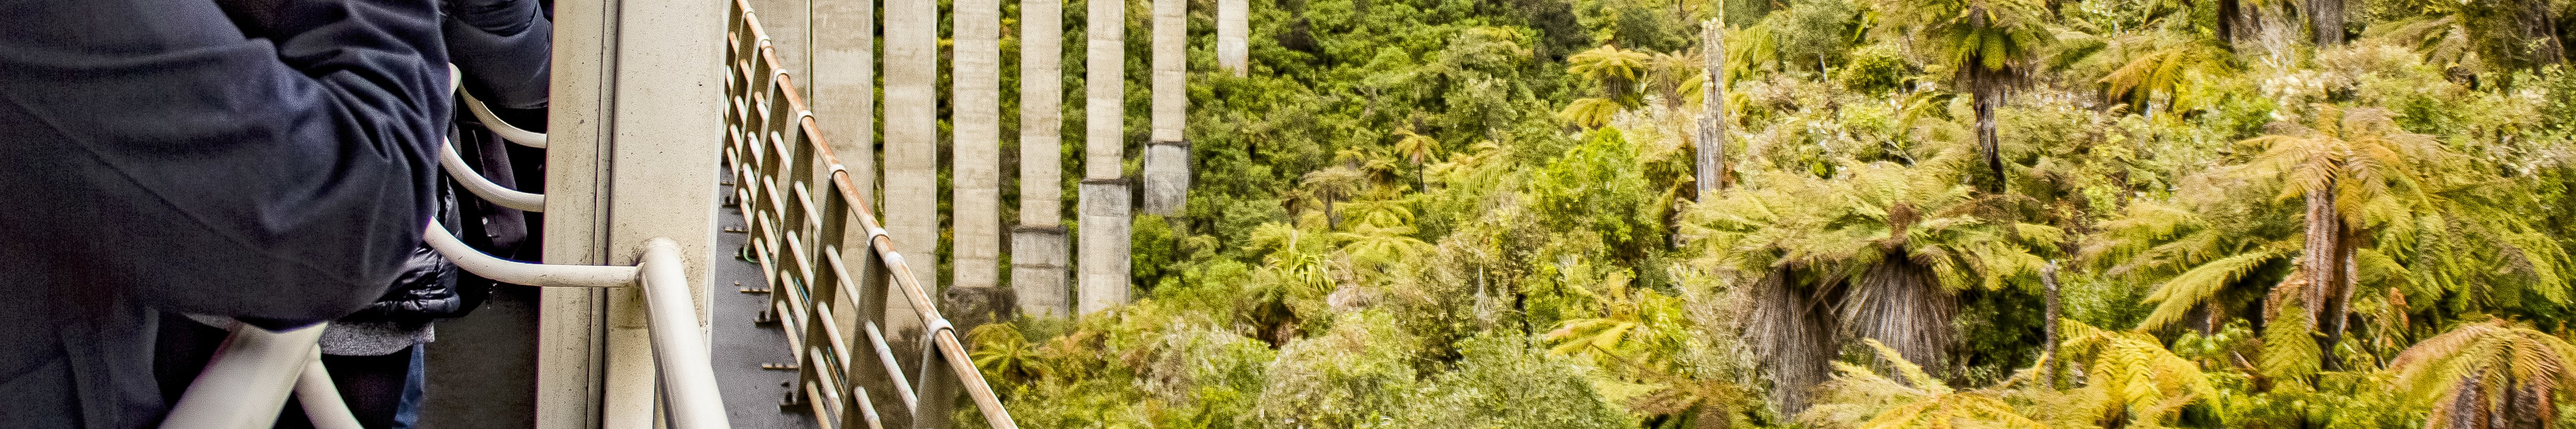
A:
(426, 288)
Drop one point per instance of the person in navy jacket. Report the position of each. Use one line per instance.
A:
(266, 160)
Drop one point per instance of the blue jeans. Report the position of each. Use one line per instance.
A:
(407, 414)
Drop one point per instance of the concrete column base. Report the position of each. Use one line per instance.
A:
(1038, 262)
(1102, 277)
(1167, 177)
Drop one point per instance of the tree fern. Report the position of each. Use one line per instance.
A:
(2142, 383)
(2495, 374)
(2176, 298)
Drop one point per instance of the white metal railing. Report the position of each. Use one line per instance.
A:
(802, 210)
(493, 122)
(247, 382)
(483, 187)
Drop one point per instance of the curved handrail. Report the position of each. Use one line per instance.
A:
(248, 379)
(503, 128)
(677, 342)
(522, 273)
(321, 399)
(475, 183)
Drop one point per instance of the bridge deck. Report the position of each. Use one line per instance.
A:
(482, 372)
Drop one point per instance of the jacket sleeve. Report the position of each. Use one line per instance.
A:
(281, 175)
(505, 48)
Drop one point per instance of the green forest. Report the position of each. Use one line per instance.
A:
(1925, 213)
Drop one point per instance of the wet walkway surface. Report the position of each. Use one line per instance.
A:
(482, 371)
(751, 394)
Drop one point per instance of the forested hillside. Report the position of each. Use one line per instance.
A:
(1930, 213)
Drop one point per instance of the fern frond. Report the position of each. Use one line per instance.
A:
(2177, 297)
(1913, 373)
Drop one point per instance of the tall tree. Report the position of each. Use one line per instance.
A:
(1884, 249)
(1615, 74)
(2325, 21)
(1988, 45)
(2230, 12)
(2337, 164)
(2512, 33)
(1711, 156)
(2491, 375)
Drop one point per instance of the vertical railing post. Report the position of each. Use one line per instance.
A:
(832, 314)
(939, 389)
(876, 286)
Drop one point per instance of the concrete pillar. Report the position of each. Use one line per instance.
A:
(1102, 279)
(1038, 258)
(789, 24)
(911, 214)
(637, 85)
(1233, 26)
(844, 88)
(570, 322)
(1105, 228)
(975, 180)
(1104, 90)
(1167, 161)
(1038, 263)
(1167, 176)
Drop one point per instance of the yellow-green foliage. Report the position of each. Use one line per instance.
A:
(1350, 376)
(2494, 374)
(1453, 213)
(2142, 384)
(1861, 398)
(1503, 382)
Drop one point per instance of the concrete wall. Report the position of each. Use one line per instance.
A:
(790, 25)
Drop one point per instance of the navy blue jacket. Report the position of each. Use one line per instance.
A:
(160, 155)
